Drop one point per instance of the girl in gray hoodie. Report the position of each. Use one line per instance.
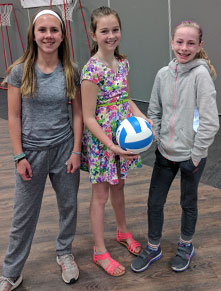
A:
(184, 112)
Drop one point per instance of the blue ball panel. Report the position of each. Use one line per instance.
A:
(139, 144)
(149, 126)
(122, 138)
(135, 123)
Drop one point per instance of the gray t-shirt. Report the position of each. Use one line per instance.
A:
(45, 117)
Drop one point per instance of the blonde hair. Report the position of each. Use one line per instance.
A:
(28, 83)
(96, 14)
(202, 54)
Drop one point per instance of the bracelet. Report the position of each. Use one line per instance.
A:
(19, 157)
(18, 161)
(76, 153)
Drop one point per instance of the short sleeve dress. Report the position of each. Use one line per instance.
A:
(112, 108)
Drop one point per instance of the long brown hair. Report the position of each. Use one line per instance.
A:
(101, 12)
(28, 83)
(202, 54)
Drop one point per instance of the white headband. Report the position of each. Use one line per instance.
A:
(43, 12)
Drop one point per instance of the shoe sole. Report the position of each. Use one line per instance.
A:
(147, 265)
(73, 280)
(113, 275)
(187, 265)
(17, 283)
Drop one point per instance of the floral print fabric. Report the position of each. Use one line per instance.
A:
(101, 162)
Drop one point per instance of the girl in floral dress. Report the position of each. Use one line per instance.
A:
(106, 102)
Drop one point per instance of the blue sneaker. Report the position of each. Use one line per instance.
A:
(145, 258)
(183, 257)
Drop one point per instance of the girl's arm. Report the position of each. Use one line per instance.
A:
(77, 120)
(14, 121)
(155, 107)
(208, 116)
(89, 93)
(136, 111)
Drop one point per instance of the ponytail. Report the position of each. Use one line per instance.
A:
(94, 48)
(203, 55)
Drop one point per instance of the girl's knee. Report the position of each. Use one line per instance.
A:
(118, 187)
(99, 200)
(100, 193)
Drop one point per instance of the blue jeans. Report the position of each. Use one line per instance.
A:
(164, 172)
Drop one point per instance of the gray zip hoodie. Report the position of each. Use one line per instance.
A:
(180, 89)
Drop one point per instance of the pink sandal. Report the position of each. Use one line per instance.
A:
(112, 265)
(122, 237)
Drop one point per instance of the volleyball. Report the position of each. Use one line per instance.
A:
(134, 134)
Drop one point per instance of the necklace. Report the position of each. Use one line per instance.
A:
(113, 65)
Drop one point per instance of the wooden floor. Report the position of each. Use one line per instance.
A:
(41, 272)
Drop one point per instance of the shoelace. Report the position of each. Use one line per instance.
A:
(68, 261)
(6, 280)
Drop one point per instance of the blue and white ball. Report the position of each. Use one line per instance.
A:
(134, 134)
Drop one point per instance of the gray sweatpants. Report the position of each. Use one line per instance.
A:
(27, 204)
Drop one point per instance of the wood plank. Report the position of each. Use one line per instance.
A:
(42, 273)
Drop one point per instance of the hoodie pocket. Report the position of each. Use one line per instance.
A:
(187, 141)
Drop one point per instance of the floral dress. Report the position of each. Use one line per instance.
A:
(112, 108)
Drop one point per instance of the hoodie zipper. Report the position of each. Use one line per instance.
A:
(174, 101)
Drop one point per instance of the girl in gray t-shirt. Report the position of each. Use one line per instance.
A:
(40, 83)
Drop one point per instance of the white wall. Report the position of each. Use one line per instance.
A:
(145, 35)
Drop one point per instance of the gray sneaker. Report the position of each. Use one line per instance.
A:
(145, 258)
(8, 284)
(183, 257)
(70, 271)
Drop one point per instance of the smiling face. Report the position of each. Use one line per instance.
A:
(185, 44)
(48, 34)
(107, 34)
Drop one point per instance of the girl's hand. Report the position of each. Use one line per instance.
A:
(125, 154)
(149, 121)
(24, 170)
(73, 163)
(195, 163)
